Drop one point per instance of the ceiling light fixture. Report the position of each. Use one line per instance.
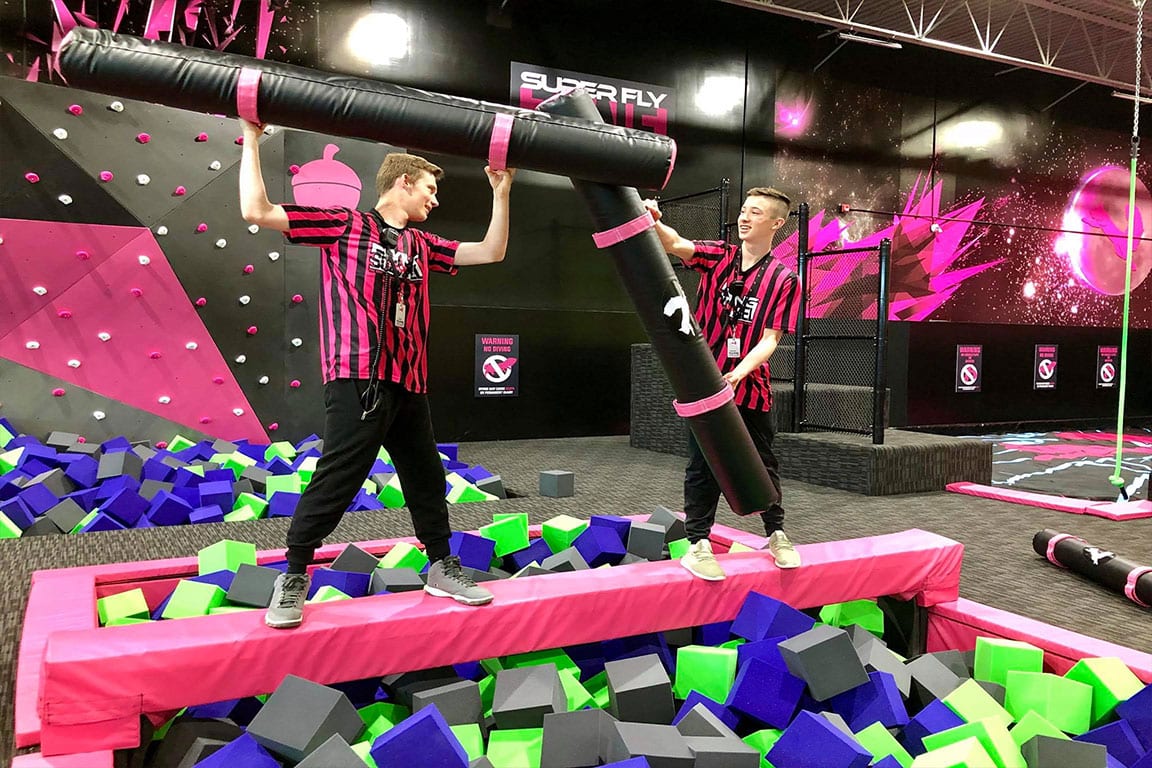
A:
(879, 43)
(1131, 97)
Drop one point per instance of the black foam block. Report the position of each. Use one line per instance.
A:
(182, 738)
(42, 527)
(459, 703)
(301, 715)
(531, 570)
(493, 485)
(1047, 752)
(355, 560)
(252, 586)
(639, 690)
(334, 753)
(955, 661)
(525, 695)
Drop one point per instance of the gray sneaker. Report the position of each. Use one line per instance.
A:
(287, 607)
(446, 578)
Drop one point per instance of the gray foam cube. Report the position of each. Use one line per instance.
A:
(459, 703)
(823, 657)
(568, 559)
(301, 715)
(1047, 752)
(662, 745)
(838, 722)
(573, 739)
(701, 721)
(334, 753)
(646, 540)
(711, 752)
(557, 483)
(673, 526)
(531, 570)
(395, 580)
(493, 485)
(876, 657)
(639, 690)
(525, 695)
(352, 559)
(252, 586)
(480, 762)
(930, 680)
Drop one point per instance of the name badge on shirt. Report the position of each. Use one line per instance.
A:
(733, 347)
(401, 314)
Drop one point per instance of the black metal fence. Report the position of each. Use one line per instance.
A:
(843, 348)
(698, 216)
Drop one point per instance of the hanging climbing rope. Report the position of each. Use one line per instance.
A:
(1117, 479)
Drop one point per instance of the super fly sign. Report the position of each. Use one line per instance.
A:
(621, 102)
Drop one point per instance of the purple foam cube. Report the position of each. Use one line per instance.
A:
(241, 751)
(877, 700)
(1137, 712)
(889, 761)
(143, 522)
(277, 466)
(765, 692)
(216, 493)
(533, 553)
(156, 469)
(812, 741)
(211, 514)
(251, 451)
(113, 485)
(126, 505)
(632, 762)
(723, 713)
(118, 443)
(102, 522)
(1119, 738)
(716, 633)
(421, 739)
(17, 511)
(451, 450)
(86, 498)
(364, 502)
(167, 509)
(38, 498)
(283, 504)
(934, 718)
(474, 551)
(34, 467)
(765, 650)
(455, 466)
(222, 579)
(600, 545)
(188, 493)
(470, 670)
(621, 525)
(476, 474)
(159, 611)
(761, 617)
(82, 471)
(351, 584)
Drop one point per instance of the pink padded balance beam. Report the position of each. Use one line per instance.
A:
(1130, 510)
(96, 682)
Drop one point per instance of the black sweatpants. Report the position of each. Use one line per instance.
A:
(403, 425)
(702, 492)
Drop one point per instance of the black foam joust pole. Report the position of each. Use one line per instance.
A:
(676, 339)
(1099, 565)
(296, 97)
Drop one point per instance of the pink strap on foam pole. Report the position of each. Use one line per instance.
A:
(1130, 585)
(710, 403)
(626, 230)
(498, 147)
(1052, 542)
(247, 89)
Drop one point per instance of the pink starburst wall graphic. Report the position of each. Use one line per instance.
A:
(926, 245)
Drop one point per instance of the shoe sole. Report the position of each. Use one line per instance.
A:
(786, 567)
(699, 575)
(458, 598)
(284, 624)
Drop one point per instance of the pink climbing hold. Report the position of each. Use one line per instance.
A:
(162, 444)
(83, 255)
(154, 355)
(136, 292)
(143, 138)
(295, 383)
(297, 298)
(76, 109)
(202, 137)
(252, 330)
(249, 269)
(274, 426)
(201, 301)
(106, 176)
(81, 439)
(58, 392)
(217, 379)
(31, 178)
(239, 140)
(179, 191)
(293, 169)
(64, 314)
(205, 420)
(201, 227)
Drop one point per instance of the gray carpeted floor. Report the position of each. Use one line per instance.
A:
(1000, 568)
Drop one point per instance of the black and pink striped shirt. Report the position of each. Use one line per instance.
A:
(353, 296)
(770, 298)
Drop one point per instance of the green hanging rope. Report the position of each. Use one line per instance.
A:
(1117, 479)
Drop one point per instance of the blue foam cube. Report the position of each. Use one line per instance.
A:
(765, 692)
(761, 617)
(423, 738)
(812, 741)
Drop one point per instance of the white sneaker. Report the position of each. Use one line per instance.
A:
(782, 549)
(701, 563)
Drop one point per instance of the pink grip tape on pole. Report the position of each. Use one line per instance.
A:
(247, 89)
(1130, 585)
(498, 145)
(1052, 547)
(624, 231)
(710, 403)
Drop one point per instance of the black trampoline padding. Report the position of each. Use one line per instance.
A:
(1098, 564)
(297, 97)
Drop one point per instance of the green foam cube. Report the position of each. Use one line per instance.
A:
(9, 460)
(678, 548)
(515, 748)
(578, 696)
(509, 531)
(865, 613)
(487, 693)
(125, 605)
(561, 531)
(226, 555)
(968, 753)
(283, 449)
(124, 622)
(738, 547)
(9, 529)
(383, 455)
(241, 515)
(971, 703)
(1111, 680)
(557, 657)
(275, 484)
(993, 737)
(471, 738)
(709, 671)
(762, 741)
(1065, 703)
(465, 494)
(258, 504)
(392, 494)
(84, 521)
(235, 461)
(1034, 724)
(404, 555)
(307, 468)
(229, 609)
(179, 443)
(880, 742)
(996, 657)
(193, 598)
(363, 749)
(394, 713)
(597, 685)
(328, 594)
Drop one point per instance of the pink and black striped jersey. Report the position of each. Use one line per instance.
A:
(768, 296)
(354, 293)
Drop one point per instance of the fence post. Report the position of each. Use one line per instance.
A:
(880, 383)
(799, 349)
